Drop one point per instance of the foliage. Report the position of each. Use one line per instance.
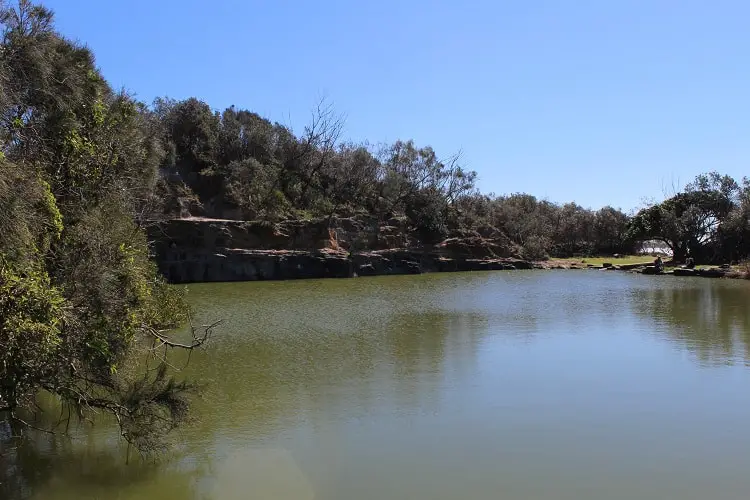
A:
(536, 248)
(84, 168)
(31, 220)
(31, 323)
(78, 292)
(708, 220)
(241, 166)
(546, 228)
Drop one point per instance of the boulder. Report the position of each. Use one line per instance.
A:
(713, 272)
(651, 270)
(680, 271)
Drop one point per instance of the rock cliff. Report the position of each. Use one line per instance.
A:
(198, 250)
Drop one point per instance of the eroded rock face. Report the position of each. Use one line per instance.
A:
(338, 233)
(473, 247)
(198, 250)
(253, 265)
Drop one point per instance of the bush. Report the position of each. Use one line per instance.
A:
(535, 248)
(31, 317)
(77, 288)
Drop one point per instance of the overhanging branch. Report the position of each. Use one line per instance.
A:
(197, 340)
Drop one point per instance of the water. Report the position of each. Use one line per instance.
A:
(505, 385)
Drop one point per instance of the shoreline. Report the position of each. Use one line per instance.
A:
(228, 265)
(234, 265)
(702, 271)
(199, 250)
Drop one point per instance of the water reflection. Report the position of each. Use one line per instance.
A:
(45, 466)
(432, 385)
(709, 318)
(387, 339)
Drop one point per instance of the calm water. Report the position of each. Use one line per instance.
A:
(506, 385)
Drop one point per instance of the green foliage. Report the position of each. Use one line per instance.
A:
(78, 291)
(241, 166)
(542, 227)
(83, 168)
(536, 248)
(428, 212)
(105, 256)
(707, 221)
(251, 187)
(31, 323)
(47, 206)
(31, 220)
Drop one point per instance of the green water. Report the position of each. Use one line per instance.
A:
(504, 385)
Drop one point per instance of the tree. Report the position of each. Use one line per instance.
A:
(317, 146)
(192, 133)
(416, 182)
(573, 234)
(610, 231)
(349, 179)
(734, 231)
(689, 222)
(522, 216)
(79, 296)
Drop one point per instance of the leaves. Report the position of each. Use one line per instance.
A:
(77, 288)
(696, 221)
(31, 322)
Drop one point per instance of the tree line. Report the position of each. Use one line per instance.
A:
(84, 169)
(237, 164)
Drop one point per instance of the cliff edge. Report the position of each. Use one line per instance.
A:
(207, 250)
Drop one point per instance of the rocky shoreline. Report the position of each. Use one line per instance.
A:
(209, 250)
(253, 265)
(725, 271)
(213, 250)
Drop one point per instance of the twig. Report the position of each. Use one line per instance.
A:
(30, 426)
(197, 341)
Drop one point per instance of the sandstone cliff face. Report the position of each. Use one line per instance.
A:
(198, 250)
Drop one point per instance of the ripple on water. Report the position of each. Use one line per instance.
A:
(545, 385)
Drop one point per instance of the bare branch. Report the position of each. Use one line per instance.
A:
(30, 426)
(197, 340)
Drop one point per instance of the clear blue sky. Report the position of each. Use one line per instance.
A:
(600, 102)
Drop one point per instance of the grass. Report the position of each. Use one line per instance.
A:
(598, 261)
(741, 270)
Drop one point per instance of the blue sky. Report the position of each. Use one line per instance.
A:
(600, 102)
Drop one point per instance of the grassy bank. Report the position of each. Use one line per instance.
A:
(738, 271)
(625, 260)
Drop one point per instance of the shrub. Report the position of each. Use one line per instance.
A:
(535, 248)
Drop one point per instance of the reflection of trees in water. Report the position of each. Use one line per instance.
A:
(287, 356)
(273, 381)
(36, 465)
(423, 346)
(321, 355)
(27, 458)
(709, 319)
